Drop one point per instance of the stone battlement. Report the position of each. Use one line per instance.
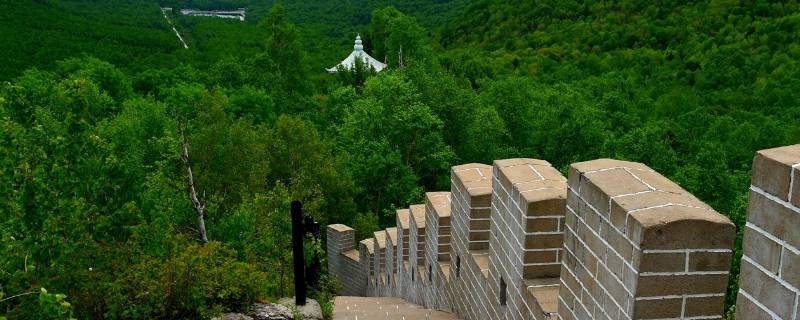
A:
(614, 240)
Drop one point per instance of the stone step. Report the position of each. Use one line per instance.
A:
(369, 308)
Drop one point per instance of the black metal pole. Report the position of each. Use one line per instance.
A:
(299, 259)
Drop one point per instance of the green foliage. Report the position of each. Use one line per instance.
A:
(283, 47)
(329, 287)
(355, 76)
(199, 280)
(296, 313)
(51, 306)
(395, 141)
(40, 33)
(394, 34)
(365, 224)
(55, 305)
(94, 201)
(95, 206)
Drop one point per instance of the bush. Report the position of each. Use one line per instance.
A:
(328, 287)
(197, 282)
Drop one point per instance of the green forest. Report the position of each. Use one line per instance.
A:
(102, 112)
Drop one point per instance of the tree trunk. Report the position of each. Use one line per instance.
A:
(198, 207)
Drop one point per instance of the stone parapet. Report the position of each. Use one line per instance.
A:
(391, 268)
(437, 248)
(401, 255)
(471, 190)
(379, 259)
(527, 228)
(615, 240)
(342, 256)
(366, 253)
(416, 252)
(637, 246)
(769, 285)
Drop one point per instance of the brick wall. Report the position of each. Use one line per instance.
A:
(341, 239)
(391, 268)
(366, 252)
(527, 236)
(770, 270)
(401, 256)
(437, 249)
(344, 260)
(471, 190)
(416, 252)
(379, 260)
(614, 241)
(637, 246)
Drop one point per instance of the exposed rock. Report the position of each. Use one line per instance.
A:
(310, 311)
(270, 311)
(232, 316)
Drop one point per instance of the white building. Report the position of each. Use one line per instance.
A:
(358, 53)
(238, 14)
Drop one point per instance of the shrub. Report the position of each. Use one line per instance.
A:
(197, 282)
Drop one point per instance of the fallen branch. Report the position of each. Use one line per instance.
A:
(198, 206)
(20, 295)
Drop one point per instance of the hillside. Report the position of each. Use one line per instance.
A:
(103, 115)
(134, 34)
(735, 55)
(326, 29)
(127, 33)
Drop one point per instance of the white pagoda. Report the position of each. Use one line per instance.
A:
(358, 53)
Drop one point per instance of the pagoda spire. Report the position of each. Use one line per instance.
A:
(358, 47)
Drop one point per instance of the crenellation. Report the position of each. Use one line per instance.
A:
(527, 236)
(623, 221)
(401, 256)
(613, 240)
(416, 251)
(774, 170)
(769, 284)
(366, 252)
(379, 260)
(470, 209)
(794, 187)
(344, 256)
(391, 268)
(437, 247)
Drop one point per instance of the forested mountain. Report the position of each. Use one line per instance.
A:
(98, 102)
(337, 14)
(127, 33)
(135, 35)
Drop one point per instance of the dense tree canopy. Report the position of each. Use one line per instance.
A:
(96, 105)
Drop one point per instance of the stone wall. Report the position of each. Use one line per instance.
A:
(616, 240)
(390, 284)
(416, 253)
(366, 252)
(379, 261)
(770, 270)
(401, 256)
(527, 236)
(344, 261)
(437, 250)
(471, 190)
(637, 246)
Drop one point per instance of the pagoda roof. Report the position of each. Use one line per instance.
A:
(358, 53)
